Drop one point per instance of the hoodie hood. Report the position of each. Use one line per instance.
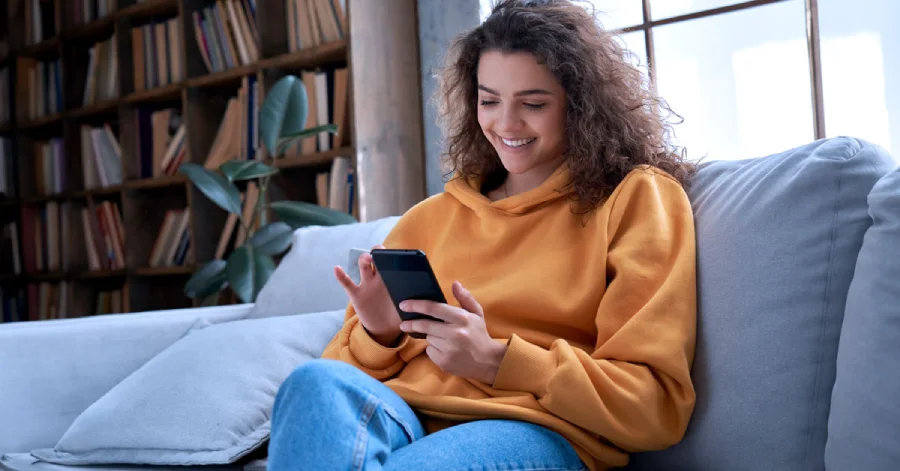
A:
(468, 192)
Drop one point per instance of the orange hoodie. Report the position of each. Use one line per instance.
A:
(599, 312)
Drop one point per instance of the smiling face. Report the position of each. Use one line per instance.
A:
(522, 112)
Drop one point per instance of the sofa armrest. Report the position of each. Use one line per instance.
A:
(51, 371)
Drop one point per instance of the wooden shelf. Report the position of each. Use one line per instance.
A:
(168, 92)
(101, 274)
(148, 8)
(10, 202)
(46, 276)
(104, 191)
(226, 76)
(102, 107)
(311, 57)
(42, 122)
(319, 158)
(6, 128)
(158, 182)
(51, 197)
(9, 277)
(94, 28)
(42, 48)
(164, 271)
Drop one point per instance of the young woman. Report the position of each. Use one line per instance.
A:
(565, 244)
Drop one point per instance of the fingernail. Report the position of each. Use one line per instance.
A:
(404, 326)
(404, 305)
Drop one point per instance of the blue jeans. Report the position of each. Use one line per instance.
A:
(329, 415)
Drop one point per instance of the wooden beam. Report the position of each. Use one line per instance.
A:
(387, 105)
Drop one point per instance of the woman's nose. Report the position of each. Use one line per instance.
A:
(509, 119)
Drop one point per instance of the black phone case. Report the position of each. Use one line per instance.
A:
(407, 274)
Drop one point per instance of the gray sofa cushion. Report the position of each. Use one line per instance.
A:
(304, 280)
(777, 239)
(51, 371)
(205, 400)
(864, 426)
(26, 462)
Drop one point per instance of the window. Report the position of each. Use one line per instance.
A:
(742, 74)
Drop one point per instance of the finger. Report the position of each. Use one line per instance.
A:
(345, 280)
(377, 247)
(366, 268)
(427, 327)
(444, 312)
(466, 300)
(436, 355)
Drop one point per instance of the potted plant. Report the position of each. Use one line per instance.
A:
(247, 268)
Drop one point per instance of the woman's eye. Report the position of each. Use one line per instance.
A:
(534, 106)
(488, 102)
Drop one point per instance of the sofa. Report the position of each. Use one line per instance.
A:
(797, 364)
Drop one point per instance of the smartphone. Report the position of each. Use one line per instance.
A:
(407, 274)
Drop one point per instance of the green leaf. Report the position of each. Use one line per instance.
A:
(288, 139)
(284, 111)
(235, 170)
(299, 214)
(272, 239)
(207, 280)
(248, 272)
(214, 186)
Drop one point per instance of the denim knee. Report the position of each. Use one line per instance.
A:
(316, 379)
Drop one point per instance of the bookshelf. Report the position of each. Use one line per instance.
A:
(88, 83)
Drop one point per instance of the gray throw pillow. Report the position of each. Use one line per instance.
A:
(205, 400)
(304, 280)
(777, 239)
(864, 426)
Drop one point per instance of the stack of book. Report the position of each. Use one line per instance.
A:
(160, 146)
(111, 302)
(173, 240)
(45, 237)
(104, 236)
(101, 157)
(40, 20)
(156, 54)
(328, 104)
(226, 34)
(42, 82)
(5, 115)
(12, 305)
(50, 167)
(102, 80)
(238, 133)
(86, 11)
(335, 189)
(10, 256)
(312, 23)
(8, 180)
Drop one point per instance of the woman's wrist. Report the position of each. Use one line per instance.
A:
(495, 358)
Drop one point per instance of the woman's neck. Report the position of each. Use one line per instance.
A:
(520, 183)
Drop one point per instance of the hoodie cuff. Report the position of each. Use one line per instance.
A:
(525, 367)
(371, 354)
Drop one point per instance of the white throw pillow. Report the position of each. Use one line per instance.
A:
(304, 280)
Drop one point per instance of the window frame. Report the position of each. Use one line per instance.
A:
(812, 42)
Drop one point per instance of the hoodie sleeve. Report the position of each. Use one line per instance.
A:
(353, 344)
(634, 389)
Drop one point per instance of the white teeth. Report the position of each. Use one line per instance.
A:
(517, 142)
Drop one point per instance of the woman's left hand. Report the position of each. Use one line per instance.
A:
(461, 344)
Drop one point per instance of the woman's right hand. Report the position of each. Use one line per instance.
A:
(371, 301)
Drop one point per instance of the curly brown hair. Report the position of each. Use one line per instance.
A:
(614, 120)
